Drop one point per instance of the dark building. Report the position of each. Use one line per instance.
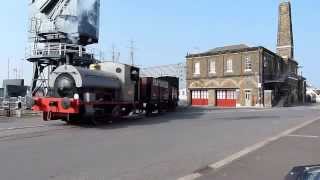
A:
(235, 76)
(14, 88)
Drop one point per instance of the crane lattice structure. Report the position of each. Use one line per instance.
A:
(50, 47)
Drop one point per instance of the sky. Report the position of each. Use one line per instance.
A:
(165, 31)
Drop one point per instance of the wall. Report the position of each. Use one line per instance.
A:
(239, 79)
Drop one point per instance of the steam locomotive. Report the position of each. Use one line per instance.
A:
(105, 91)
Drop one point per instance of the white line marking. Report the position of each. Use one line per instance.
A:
(302, 136)
(191, 176)
(259, 145)
(250, 149)
(24, 127)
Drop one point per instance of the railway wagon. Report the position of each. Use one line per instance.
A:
(173, 91)
(154, 94)
(159, 94)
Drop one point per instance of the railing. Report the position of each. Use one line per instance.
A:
(56, 50)
(16, 107)
(12, 103)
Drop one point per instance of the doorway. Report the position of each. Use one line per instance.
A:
(248, 98)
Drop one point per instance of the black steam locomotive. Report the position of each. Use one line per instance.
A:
(105, 91)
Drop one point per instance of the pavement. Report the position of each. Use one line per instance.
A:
(159, 148)
(30, 123)
(275, 160)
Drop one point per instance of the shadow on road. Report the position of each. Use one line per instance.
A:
(144, 121)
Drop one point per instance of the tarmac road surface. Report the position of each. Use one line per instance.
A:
(158, 148)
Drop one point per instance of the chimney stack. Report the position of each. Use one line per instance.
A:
(285, 45)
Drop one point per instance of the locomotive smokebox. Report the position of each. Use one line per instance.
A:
(65, 86)
(78, 19)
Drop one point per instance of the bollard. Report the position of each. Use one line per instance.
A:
(19, 110)
(8, 113)
(18, 113)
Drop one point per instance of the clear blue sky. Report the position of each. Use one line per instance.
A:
(164, 31)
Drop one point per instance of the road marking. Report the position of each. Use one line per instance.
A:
(24, 127)
(250, 149)
(302, 136)
(259, 145)
(191, 176)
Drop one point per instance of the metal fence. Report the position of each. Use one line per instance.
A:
(13, 106)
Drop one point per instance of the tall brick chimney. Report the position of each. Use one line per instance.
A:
(285, 45)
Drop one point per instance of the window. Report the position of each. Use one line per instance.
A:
(205, 95)
(229, 95)
(196, 69)
(265, 64)
(212, 67)
(248, 64)
(229, 66)
(226, 95)
(200, 94)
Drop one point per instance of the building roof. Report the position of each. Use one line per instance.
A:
(229, 48)
(236, 49)
(226, 49)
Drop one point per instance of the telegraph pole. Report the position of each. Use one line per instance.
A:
(113, 53)
(15, 72)
(8, 68)
(118, 57)
(21, 70)
(132, 49)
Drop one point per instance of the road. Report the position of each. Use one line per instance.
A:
(276, 159)
(159, 148)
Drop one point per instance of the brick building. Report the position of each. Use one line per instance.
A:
(235, 76)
